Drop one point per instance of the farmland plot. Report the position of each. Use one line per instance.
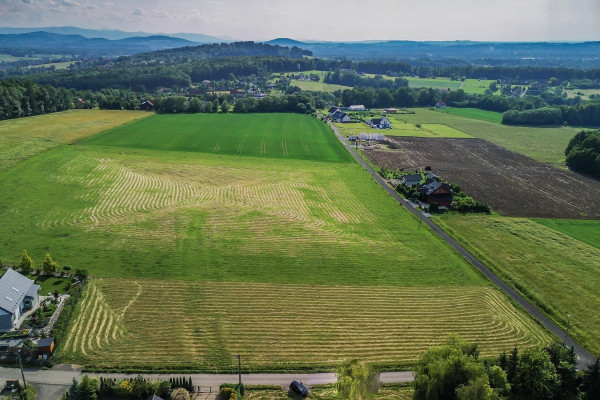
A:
(556, 271)
(509, 183)
(284, 325)
(196, 255)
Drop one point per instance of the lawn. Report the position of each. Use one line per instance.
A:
(51, 284)
(22, 138)
(268, 135)
(200, 255)
(585, 231)
(401, 128)
(434, 83)
(542, 144)
(475, 113)
(559, 273)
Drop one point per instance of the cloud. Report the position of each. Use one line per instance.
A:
(139, 12)
(70, 3)
(160, 14)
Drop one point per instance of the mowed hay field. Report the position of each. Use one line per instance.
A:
(205, 324)
(559, 272)
(22, 138)
(585, 231)
(197, 255)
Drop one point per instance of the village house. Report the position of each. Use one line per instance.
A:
(17, 294)
(380, 123)
(391, 110)
(440, 104)
(434, 191)
(411, 180)
(332, 110)
(147, 105)
(340, 116)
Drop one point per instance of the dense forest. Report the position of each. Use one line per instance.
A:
(583, 153)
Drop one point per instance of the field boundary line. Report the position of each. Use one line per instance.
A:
(585, 358)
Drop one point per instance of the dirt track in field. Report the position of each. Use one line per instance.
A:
(510, 183)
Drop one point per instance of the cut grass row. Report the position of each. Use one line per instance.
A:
(559, 273)
(284, 326)
(22, 138)
(211, 217)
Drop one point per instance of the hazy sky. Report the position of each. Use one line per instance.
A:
(349, 20)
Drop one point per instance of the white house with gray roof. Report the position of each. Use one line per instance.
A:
(17, 293)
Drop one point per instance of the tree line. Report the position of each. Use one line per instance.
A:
(581, 114)
(455, 371)
(583, 153)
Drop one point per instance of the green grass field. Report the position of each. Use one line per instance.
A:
(542, 144)
(585, 231)
(434, 83)
(476, 86)
(201, 255)
(558, 272)
(475, 113)
(318, 86)
(400, 128)
(22, 138)
(585, 93)
(268, 135)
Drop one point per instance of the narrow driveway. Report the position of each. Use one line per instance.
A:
(585, 357)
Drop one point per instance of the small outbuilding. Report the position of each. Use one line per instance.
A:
(147, 105)
(45, 346)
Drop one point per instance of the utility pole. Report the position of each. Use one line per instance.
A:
(240, 369)
(21, 365)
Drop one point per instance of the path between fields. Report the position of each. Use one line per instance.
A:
(585, 357)
(49, 380)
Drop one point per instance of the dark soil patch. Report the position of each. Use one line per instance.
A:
(510, 183)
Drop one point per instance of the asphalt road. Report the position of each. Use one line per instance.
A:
(585, 357)
(52, 382)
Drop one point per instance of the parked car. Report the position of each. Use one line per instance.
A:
(298, 388)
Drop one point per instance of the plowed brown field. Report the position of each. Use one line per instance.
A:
(510, 183)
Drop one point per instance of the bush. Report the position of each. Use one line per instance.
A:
(180, 394)
(227, 394)
(28, 393)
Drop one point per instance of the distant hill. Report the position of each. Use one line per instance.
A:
(580, 55)
(46, 42)
(114, 34)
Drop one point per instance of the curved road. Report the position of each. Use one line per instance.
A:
(585, 357)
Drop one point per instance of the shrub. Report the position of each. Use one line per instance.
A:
(225, 394)
(180, 394)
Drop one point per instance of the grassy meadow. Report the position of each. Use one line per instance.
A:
(318, 86)
(476, 86)
(475, 113)
(585, 231)
(557, 271)
(434, 83)
(22, 138)
(401, 128)
(542, 144)
(200, 253)
(268, 135)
